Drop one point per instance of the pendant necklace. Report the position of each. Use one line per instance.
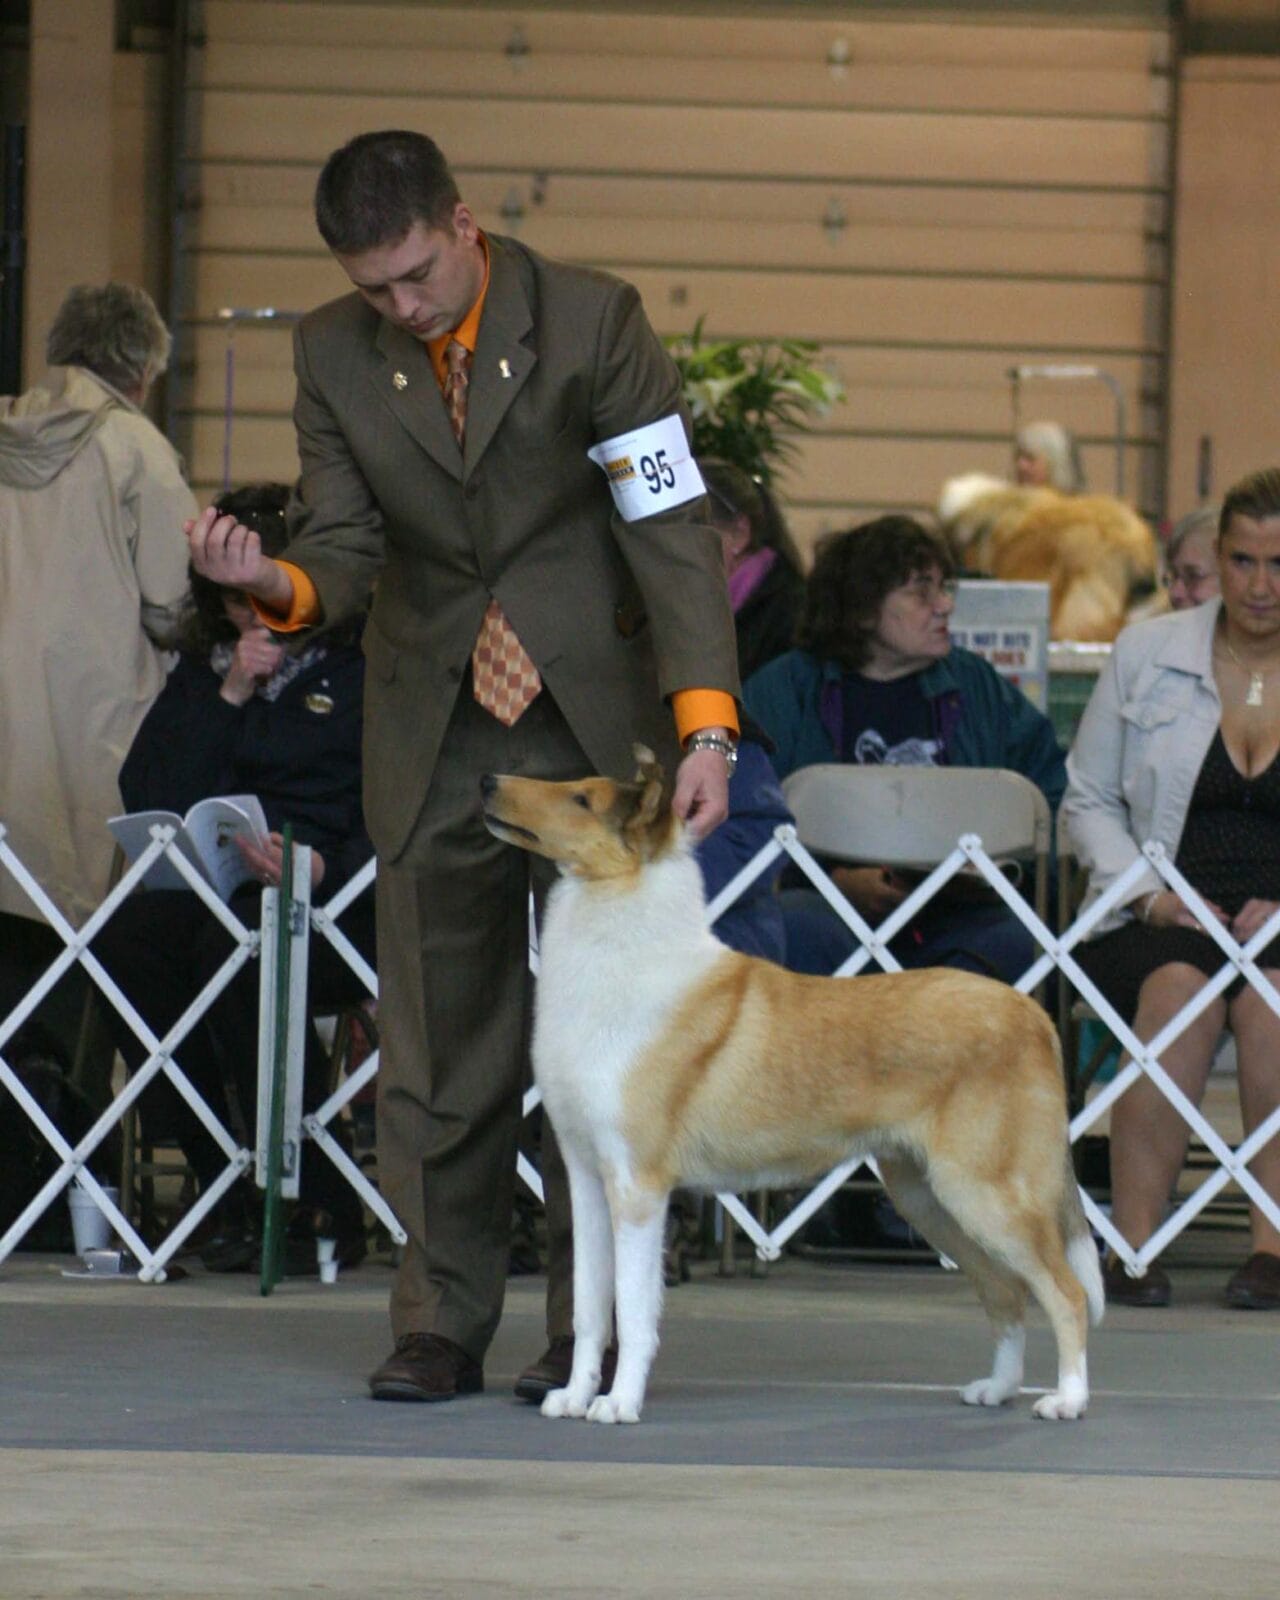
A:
(1253, 696)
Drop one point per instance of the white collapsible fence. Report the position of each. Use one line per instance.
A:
(161, 1054)
(305, 922)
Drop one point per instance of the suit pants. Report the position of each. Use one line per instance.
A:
(454, 1015)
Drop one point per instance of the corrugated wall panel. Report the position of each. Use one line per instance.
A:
(931, 200)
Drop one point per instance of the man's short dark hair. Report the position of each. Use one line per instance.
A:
(373, 190)
(853, 573)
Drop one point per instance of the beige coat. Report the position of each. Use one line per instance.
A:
(93, 571)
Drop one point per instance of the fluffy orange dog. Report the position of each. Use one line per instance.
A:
(666, 1059)
(1098, 557)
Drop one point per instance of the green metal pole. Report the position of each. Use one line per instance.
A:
(272, 1233)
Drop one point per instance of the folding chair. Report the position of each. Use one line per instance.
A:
(911, 818)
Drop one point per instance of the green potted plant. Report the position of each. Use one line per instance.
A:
(747, 396)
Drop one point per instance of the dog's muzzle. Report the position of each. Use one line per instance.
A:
(489, 785)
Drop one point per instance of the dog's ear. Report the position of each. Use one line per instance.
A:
(647, 806)
(652, 796)
(648, 767)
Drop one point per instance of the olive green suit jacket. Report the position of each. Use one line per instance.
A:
(616, 615)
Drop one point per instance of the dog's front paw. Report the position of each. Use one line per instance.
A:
(565, 1403)
(612, 1408)
(1067, 1404)
(986, 1392)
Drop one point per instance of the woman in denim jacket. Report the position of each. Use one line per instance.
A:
(1178, 745)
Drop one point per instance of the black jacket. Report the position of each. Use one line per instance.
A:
(299, 753)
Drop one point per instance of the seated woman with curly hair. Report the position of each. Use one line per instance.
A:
(876, 680)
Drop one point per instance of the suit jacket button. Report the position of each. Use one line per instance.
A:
(472, 490)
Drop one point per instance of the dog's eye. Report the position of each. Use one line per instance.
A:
(582, 800)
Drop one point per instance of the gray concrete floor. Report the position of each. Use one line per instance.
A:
(802, 1438)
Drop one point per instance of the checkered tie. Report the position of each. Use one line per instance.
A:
(504, 679)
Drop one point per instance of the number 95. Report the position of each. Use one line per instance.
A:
(658, 472)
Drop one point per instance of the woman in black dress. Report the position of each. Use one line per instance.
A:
(1179, 745)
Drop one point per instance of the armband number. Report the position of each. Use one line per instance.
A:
(650, 469)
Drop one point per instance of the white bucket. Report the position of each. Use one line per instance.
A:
(89, 1227)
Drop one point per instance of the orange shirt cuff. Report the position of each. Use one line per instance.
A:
(304, 610)
(703, 708)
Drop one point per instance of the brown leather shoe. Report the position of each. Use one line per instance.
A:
(551, 1370)
(1152, 1289)
(1256, 1285)
(424, 1366)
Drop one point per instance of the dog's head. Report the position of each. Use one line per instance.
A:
(593, 827)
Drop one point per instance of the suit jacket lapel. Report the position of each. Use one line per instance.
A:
(406, 384)
(502, 362)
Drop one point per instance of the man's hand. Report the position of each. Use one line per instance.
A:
(701, 797)
(226, 552)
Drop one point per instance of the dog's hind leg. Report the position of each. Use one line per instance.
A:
(1003, 1295)
(639, 1228)
(1028, 1243)
(592, 1291)
(1059, 1291)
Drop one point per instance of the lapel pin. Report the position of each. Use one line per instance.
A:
(504, 367)
(399, 379)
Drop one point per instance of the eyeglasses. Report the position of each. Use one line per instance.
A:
(1189, 577)
(928, 591)
(721, 499)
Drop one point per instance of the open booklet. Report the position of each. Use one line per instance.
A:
(206, 836)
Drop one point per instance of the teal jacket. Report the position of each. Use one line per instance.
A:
(979, 718)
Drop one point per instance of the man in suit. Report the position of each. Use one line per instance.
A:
(533, 612)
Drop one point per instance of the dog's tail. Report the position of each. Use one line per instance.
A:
(1082, 1252)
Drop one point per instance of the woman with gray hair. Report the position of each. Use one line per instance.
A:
(1191, 558)
(1046, 455)
(116, 333)
(93, 572)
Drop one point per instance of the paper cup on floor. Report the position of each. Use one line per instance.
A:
(90, 1228)
(326, 1253)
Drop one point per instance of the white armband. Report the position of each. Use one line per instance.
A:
(650, 469)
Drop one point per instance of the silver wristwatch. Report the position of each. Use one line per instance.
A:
(714, 741)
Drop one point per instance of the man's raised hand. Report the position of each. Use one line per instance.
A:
(226, 552)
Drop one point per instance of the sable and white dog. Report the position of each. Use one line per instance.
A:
(666, 1059)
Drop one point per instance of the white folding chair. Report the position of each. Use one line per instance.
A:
(912, 818)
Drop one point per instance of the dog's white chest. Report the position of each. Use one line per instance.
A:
(611, 976)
